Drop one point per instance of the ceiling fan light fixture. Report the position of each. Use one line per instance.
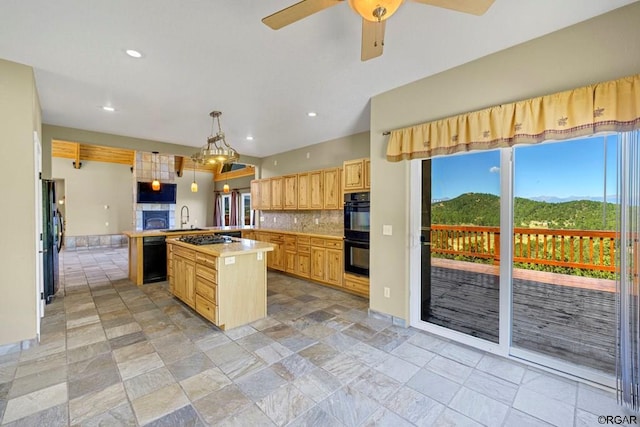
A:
(375, 10)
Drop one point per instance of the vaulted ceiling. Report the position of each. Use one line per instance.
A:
(204, 55)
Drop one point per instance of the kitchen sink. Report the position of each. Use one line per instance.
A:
(181, 230)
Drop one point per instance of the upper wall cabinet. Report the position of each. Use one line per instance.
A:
(317, 190)
(276, 193)
(332, 190)
(290, 197)
(356, 176)
(304, 191)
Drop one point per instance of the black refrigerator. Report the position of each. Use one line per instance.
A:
(51, 239)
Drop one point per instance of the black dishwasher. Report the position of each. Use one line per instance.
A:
(154, 255)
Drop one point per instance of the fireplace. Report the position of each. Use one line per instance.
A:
(155, 220)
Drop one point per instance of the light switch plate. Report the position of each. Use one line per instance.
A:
(387, 230)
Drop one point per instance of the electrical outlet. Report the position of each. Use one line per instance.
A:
(275, 163)
(387, 293)
(274, 219)
(317, 221)
(295, 220)
(387, 230)
(229, 260)
(308, 155)
(259, 256)
(261, 219)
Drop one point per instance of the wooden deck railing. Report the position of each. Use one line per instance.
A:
(584, 249)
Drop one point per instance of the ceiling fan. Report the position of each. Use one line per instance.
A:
(373, 12)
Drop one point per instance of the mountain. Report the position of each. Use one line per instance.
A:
(611, 198)
(484, 210)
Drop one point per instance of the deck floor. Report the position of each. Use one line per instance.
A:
(574, 324)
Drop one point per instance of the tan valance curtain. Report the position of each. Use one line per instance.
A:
(608, 106)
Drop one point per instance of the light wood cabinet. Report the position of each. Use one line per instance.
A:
(316, 258)
(265, 194)
(334, 269)
(290, 197)
(367, 174)
(303, 256)
(304, 191)
(316, 190)
(276, 193)
(290, 252)
(356, 284)
(326, 261)
(229, 291)
(275, 258)
(184, 284)
(332, 189)
(255, 195)
(318, 262)
(356, 175)
(353, 175)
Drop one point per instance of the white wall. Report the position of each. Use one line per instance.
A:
(600, 49)
(19, 118)
(88, 190)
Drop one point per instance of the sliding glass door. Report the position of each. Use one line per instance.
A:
(563, 286)
(460, 243)
(518, 249)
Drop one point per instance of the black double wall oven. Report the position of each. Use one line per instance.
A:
(356, 233)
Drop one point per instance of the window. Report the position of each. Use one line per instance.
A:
(226, 208)
(246, 214)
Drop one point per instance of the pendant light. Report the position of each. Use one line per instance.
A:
(194, 184)
(155, 184)
(225, 188)
(217, 150)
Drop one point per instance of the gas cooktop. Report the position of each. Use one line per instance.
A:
(205, 239)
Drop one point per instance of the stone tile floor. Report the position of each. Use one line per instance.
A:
(115, 354)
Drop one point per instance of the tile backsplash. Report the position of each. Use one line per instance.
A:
(330, 222)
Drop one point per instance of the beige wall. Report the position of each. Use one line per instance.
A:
(323, 155)
(603, 48)
(98, 184)
(19, 118)
(88, 190)
(200, 204)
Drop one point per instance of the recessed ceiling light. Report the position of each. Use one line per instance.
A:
(133, 53)
(249, 138)
(312, 114)
(108, 108)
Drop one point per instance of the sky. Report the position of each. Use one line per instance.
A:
(567, 169)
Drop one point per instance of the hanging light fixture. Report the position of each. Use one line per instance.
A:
(375, 10)
(155, 184)
(217, 150)
(194, 184)
(225, 188)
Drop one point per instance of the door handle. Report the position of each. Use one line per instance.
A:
(43, 251)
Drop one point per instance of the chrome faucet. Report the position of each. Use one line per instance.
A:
(184, 222)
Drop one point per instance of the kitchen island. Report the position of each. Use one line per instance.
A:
(226, 283)
(141, 266)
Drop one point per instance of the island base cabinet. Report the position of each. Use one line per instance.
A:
(229, 291)
(242, 290)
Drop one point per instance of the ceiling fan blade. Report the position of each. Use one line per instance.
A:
(296, 12)
(474, 7)
(372, 39)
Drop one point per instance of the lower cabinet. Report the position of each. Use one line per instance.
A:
(356, 284)
(228, 291)
(184, 279)
(315, 258)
